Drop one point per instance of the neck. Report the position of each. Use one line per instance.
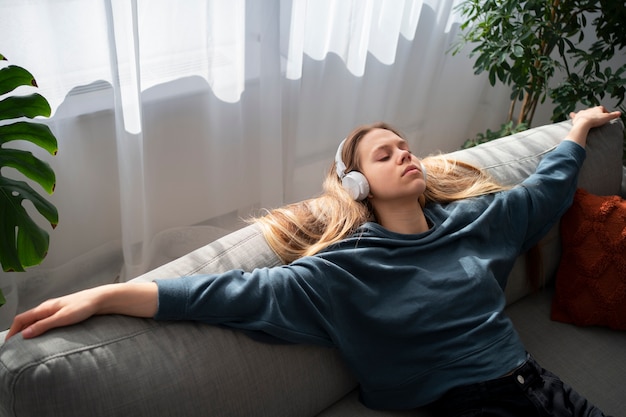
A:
(406, 219)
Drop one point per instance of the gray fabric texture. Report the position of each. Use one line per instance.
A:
(591, 359)
(114, 365)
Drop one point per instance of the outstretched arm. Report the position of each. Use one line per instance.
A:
(584, 120)
(551, 188)
(139, 300)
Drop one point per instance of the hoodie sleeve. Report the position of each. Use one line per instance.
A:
(549, 192)
(287, 302)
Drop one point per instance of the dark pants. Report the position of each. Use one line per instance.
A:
(528, 391)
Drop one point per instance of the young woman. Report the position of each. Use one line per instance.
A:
(401, 270)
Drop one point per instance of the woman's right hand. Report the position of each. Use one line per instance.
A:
(138, 300)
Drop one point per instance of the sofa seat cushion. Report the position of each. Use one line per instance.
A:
(591, 359)
(350, 406)
(591, 279)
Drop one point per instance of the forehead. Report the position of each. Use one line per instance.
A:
(379, 138)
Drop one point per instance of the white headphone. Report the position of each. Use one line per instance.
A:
(354, 182)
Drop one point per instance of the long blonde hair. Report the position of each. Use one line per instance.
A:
(307, 227)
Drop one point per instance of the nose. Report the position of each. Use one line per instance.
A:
(404, 155)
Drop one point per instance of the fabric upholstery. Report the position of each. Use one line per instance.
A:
(591, 279)
(244, 249)
(591, 359)
(116, 365)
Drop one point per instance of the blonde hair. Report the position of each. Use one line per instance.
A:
(307, 227)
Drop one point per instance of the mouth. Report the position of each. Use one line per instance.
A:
(410, 168)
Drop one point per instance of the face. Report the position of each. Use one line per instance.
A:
(392, 171)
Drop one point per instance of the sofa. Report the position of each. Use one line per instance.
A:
(116, 365)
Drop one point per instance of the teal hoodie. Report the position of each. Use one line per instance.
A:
(412, 315)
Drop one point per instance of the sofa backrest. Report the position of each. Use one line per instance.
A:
(510, 160)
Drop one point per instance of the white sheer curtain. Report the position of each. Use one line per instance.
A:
(172, 114)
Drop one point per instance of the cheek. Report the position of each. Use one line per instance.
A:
(379, 181)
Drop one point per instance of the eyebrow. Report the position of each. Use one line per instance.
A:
(385, 147)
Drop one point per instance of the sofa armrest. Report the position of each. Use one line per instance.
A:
(115, 365)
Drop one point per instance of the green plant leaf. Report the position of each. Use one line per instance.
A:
(13, 76)
(2, 299)
(24, 161)
(37, 133)
(22, 242)
(518, 51)
(33, 168)
(492, 76)
(30, 106)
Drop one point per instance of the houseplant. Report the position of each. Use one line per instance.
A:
(527, 44)
(23, 243)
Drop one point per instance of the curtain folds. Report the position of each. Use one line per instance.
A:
(174, 117)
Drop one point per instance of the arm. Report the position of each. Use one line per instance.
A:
(551, 188)
(139, 300)
(289, 302)
(586, 119)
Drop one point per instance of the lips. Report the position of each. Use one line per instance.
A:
(408, 169)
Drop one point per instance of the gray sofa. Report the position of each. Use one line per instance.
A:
(114, 365)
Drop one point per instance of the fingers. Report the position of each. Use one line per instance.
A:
(72, 309)
(605, 116)
(49, 315)
(28, 322)
(15, 329)
(41, 326)
(594, 116)
(615, 114)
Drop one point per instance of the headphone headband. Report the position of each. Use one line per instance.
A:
(340, 167)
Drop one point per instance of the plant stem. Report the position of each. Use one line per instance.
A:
(511, 110)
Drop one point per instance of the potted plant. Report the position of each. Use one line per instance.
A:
(524, 44)
(23, 243)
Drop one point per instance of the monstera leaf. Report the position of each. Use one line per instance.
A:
(23, 243)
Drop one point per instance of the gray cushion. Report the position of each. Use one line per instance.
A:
(114, 365)
(592, 359)
(244, 249)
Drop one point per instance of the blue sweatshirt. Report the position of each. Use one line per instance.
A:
(412, 315)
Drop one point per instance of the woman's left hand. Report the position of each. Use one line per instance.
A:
(586, 119)
(594, 116)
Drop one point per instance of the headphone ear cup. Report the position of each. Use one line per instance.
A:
(356, 184)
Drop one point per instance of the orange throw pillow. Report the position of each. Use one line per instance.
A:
(591, 278)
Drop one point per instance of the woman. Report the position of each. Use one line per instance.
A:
(402, 272)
